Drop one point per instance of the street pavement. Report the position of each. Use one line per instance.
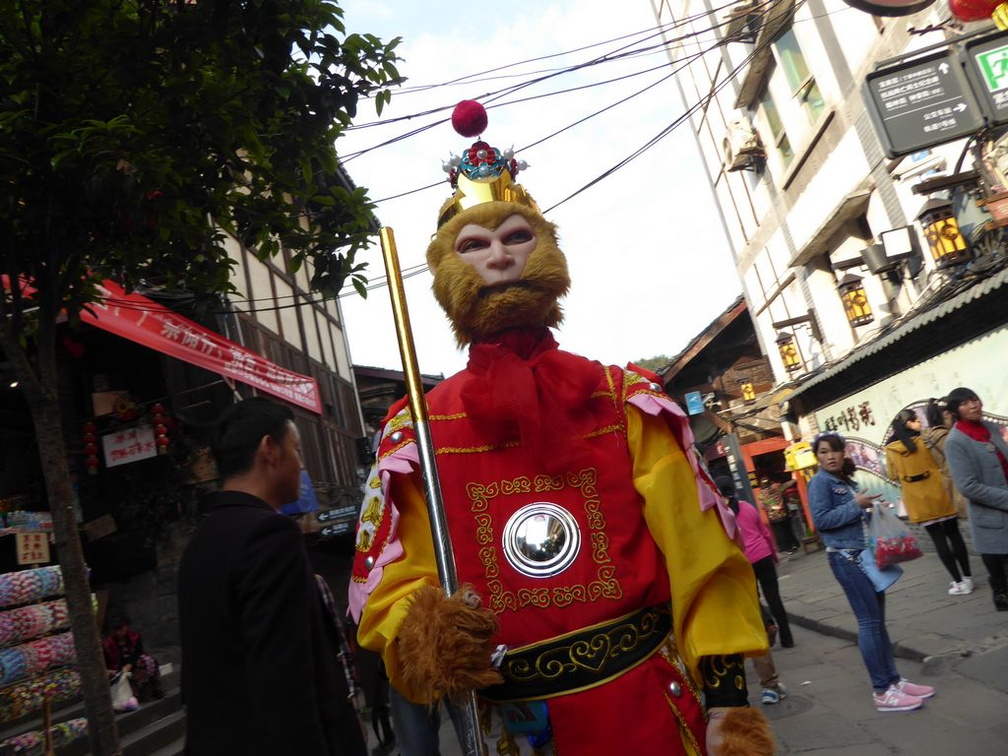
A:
(959, 644)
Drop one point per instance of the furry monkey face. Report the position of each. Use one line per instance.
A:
(497, 266)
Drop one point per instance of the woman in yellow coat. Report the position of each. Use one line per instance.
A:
(912, 466)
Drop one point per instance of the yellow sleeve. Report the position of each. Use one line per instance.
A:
(714, 600)
(386, 605)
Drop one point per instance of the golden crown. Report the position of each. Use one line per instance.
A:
(482, 173)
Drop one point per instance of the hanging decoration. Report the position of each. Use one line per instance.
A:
(159, 419)
(90, 449)
(980, 10)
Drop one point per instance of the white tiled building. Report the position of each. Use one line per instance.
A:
(803, 189)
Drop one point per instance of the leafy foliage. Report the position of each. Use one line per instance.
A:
(135, 133)
(654, 363)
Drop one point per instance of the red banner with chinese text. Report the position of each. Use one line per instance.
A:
(144, 321)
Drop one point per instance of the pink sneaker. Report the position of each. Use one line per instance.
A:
(895, 699)
(912, 689)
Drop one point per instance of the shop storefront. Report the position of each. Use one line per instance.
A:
(865, 417)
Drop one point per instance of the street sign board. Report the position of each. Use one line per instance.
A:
(987, 67)
(921, 103)
(694, 403)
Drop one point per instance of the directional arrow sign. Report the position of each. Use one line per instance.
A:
(919, 104)
(987, 67)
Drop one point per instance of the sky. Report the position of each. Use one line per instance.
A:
(649, 263)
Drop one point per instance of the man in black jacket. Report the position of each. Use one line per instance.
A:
(260, 673)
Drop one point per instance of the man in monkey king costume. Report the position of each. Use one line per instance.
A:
(589, 540)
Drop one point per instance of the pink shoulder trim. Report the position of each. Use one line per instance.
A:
(402, 461)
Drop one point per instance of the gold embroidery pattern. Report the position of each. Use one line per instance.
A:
(607, 586)
(364, 541)
(518, 485)
(488, 558)
(617, 401)
(401, 420)
(484, 529)
(603, 431)
(595, 519)
(670, 653)
(545, 483)
(598, 652)
(600, 547)
(474, 449)
(722, 669)
(499, 598)
(535, 596)
(604, 586)
(373, 513)
(478, 495)
(456, 416)
(567, 595)
(684, 729)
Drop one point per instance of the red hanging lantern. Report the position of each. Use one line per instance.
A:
(90, 448)
(978, 10)
(159, 418)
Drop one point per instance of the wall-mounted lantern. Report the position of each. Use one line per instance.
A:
(788, 351)
(948, 245)
(855, 302)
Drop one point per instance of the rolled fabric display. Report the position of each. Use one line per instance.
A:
(13, 665)
(32, 742)
(28, 696)
(25, 586)
(33, 658)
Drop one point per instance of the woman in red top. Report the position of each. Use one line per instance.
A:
(977, 457)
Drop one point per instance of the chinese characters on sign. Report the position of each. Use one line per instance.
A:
(921, 103)
(143, 321)
(130, 445)
(33, 547)
(851, 418)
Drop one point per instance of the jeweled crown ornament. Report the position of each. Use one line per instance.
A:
(483, 173)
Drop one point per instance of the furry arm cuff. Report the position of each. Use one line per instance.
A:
(739, 732)
(444, 644)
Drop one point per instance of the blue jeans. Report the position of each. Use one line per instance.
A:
(417, 727)
(869, 609)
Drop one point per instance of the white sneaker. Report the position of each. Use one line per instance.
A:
(968, 582)
(959, 589)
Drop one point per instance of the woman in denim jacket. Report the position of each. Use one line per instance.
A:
(838, 511)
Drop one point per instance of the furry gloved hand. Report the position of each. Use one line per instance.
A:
(445, 644)
(739, 732)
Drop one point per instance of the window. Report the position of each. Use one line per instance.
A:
(802, 83)
(777, 134)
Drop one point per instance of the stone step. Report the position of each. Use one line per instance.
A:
(160, 734)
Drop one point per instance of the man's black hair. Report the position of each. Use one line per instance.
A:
(239, 430)
(725, 484)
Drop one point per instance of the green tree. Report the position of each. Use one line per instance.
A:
(135, 137)
(654, 363)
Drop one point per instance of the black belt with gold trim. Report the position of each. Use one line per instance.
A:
(582, 659)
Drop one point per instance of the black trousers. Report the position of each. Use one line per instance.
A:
(766, 576)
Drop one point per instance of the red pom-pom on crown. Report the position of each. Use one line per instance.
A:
(469, 118)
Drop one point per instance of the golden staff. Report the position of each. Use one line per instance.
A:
(443, 554)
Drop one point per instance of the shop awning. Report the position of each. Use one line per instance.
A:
(144, 321)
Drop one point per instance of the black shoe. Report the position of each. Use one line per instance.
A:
(1001, 601)
(789, 643)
